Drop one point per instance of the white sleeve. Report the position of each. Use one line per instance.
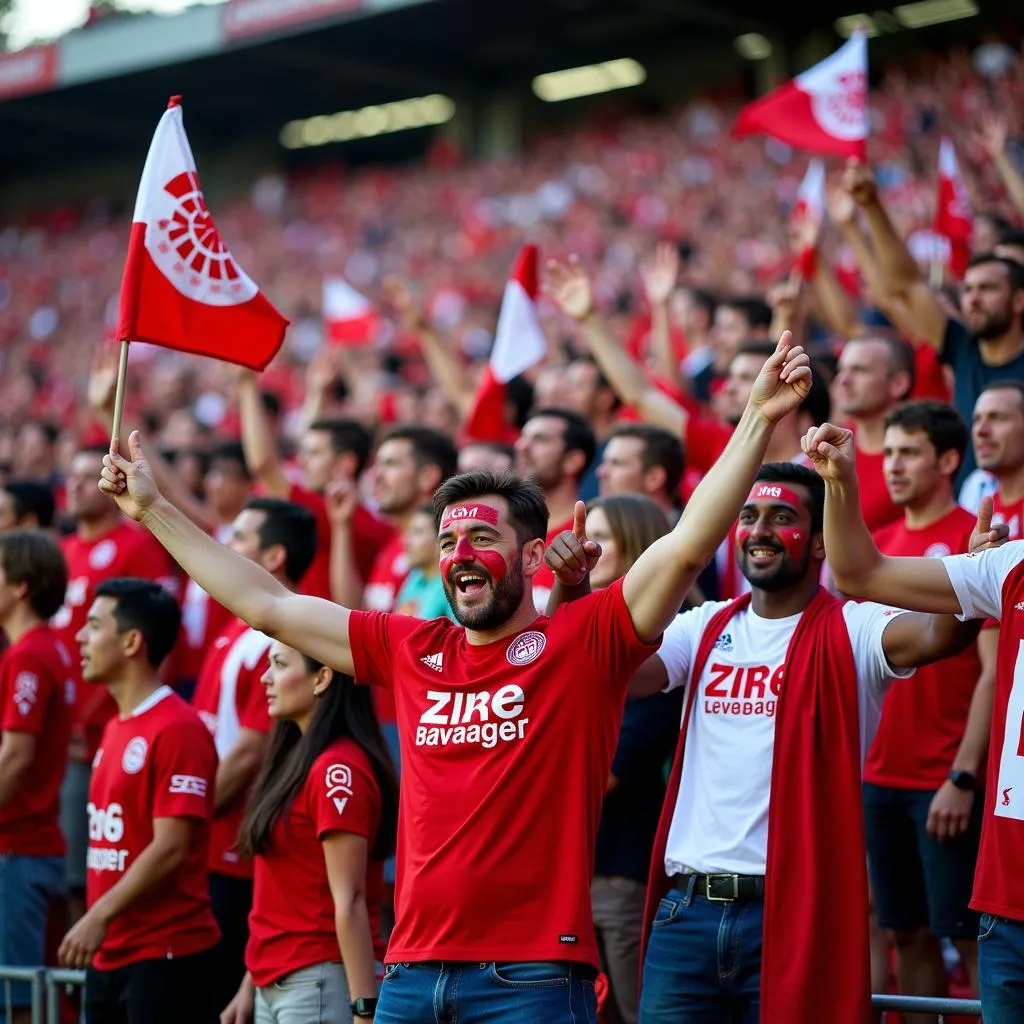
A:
(681, 639)
(867, 623)
(978, 579)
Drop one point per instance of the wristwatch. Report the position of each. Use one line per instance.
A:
(964, 780)
(364, 1008)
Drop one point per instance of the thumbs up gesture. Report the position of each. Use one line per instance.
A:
(571, 555)
(985, 535)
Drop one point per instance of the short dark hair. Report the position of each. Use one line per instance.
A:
(998, 220)
(705, 299)
(527, 510)
(35, 558)
(346, 435)
(602, 381)
(49, 429)
(1005, 385)
(901, 356)
(755, 348)
(229, 451)
(519, 392)
(804, 476)
(1012, 236)
(660, 449)
(1014, 270)
(943, 425)
(30, 497)
(578, 435)
(429, 447)
(291, 526)
(752, 308)
(146, 606)
(271, 402)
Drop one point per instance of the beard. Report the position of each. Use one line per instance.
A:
(781, 577)
(992, 326)
(505, 600)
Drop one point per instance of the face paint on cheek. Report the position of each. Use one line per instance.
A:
(494, 563)
(742, 536)
(795, 540)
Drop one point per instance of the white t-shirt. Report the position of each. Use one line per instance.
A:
(720, 822)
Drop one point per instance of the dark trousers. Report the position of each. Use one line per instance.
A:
(231, 899)
(153, 992)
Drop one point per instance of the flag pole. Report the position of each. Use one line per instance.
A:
(122, 372)
(935, 275)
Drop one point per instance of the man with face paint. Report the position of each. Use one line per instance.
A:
(757, 901)
(508, 722)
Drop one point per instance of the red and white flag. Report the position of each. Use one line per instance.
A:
(953, 218)
(181, 288)
(810, 196)
(519, 343)
(824, 110)
(350, 318)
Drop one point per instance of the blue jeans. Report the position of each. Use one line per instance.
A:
(1001, 969)
(703, 963)
(545, 992)
(28, 885)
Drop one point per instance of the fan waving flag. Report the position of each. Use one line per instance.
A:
(182, 289)
(953, 219)
(350, 319)
(824, 110)
(806, 216)
(519, 343)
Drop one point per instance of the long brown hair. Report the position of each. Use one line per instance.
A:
(344, 710)
(636, 523)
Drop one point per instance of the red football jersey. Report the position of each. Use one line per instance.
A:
(876, 506)
(127, 550)
(369, 536)
(292, 921)
(37, 696)
(230, 697)
(202, 620)
(923, 718)
(159, 762)
(389, 571)
(506, 750)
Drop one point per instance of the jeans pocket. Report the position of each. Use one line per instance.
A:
(391, 971)
(987, 926)
(669, 910)
(303, 978)
(531, 974)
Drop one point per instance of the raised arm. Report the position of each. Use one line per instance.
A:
(991, 136)
(258, 442)
(858, 567)
(569, 286)
(655, 586)
(659, 276)
(315, 627)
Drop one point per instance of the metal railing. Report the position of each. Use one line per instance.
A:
(918, 1004)
(45, 985)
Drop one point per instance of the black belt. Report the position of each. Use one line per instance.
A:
(722, 887)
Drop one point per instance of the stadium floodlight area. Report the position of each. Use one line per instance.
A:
(589, 80)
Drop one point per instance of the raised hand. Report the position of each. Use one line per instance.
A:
(321, 372)
(341, 498)
(660, 273)
(783, 382)
(402, 302)
(985, 535)
(129, 481)
(569, 286)
(841, 206)
(571, 555)
(992, 133)
(831, 450)
(859, 182)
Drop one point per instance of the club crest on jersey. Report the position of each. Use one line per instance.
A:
(103, 554)
(526, 648)
(938, 550)
(339, 785)
(134, 756)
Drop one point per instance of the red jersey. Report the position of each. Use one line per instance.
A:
(291, 925)
(37, 696)
(369, 536)
(386, 579)
(127, 550)
(923, 718)
(544, 580)
(876, 506)
(159, 762)
(703, 441)
(202, 620)
(1012, 515)
(991, 584)
(229, 698)
(506, 750)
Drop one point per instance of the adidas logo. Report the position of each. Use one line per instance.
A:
(434, 661)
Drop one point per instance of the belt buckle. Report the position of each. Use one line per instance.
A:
(723, 899)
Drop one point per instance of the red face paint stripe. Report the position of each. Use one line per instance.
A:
(460, 513)
(774, 492)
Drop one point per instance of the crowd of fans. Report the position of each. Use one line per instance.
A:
(654, 350)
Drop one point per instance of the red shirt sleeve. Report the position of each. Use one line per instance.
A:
(27, 688)
(703, 442)
(374, 637)
(251, 698)
(184, 767)
(342, 796)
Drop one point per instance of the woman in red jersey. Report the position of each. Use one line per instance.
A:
(320, 823)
